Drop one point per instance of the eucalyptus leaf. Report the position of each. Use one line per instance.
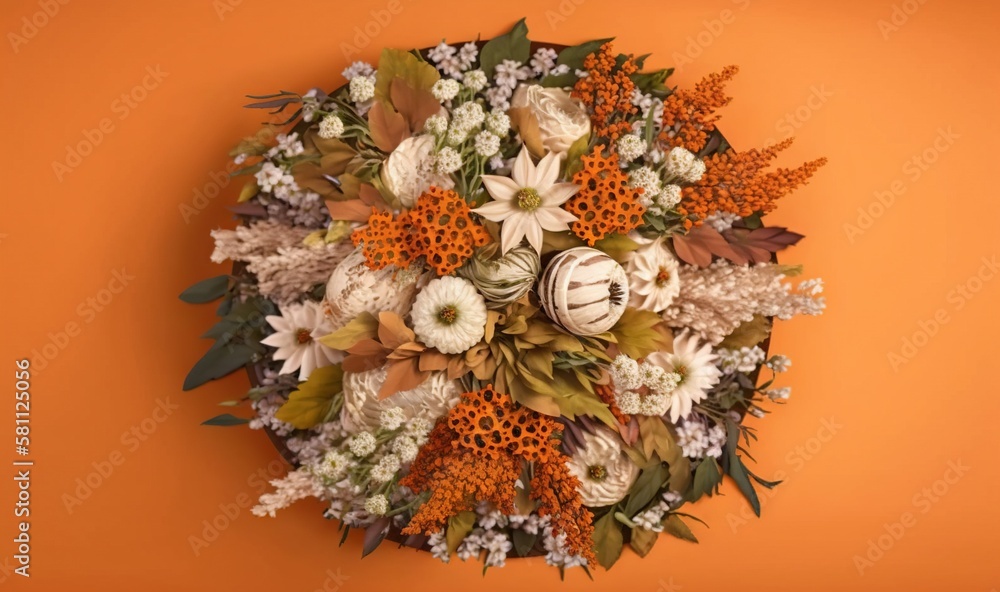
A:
(608, 540)
(524, 542)
(218, 363)
(206, 290)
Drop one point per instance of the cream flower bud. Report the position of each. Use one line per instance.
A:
(562, 119)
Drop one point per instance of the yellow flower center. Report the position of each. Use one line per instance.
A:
(663, 277)
(447, 315)
(303, 336)
(597, 472)
(528, 199)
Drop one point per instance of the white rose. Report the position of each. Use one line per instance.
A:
(605, 472)
(562, 119)
(409, 170)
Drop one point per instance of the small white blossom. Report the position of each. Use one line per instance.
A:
(668, 198)
(333, 467)
(649, 181)
(779, 364)
(444, 58)
(436, 124)
(386, 469)
(358, 69)
(498, 122)
(509, 72)
(445, 89)
(447, 161)
(406, 448)
(377, 505)
(362, 88)
(362, 444)
(745, 359)
(331, 127)
(543, 61)
(456, 136)
(475, 80)
(468, 116)
(779, 394)
(684, 165)
(630, 147)
(392, 418)
(487, 144)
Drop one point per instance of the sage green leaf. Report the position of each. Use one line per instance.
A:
(675, 526)
(206, 290)
(707, 477)
(608, 540)
(737, 470)
(574, 56)
(217, 363)
(511, 46)
(646, 487)
(653, 82)
(225, 420)
(523, 542)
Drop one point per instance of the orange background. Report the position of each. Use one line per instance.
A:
(885, 101)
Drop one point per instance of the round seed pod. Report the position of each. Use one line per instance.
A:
(584, 290)
(505, 279)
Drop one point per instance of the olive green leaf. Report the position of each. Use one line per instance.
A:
(674, 525)
(642, 540)
(315, 401)
(639, 333)
(512, 46)
(459, 527)
(748, 334)
(363, 326)
(395, 63)
(608, 540)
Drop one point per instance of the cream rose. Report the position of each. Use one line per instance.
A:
(562, 119)
(605, 472)
(409, 170)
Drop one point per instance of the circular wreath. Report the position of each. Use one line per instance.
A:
(504, 299)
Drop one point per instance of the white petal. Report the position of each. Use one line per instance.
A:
(523, 171)
(554, 219)
(293, 363)
(282, 339)
(547, 172)
(279, 323)
(557, 194)
(511, 232)
(500, 188)
(496, 211)
(534, 233)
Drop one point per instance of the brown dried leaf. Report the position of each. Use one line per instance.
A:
(701, 242)
(524, 122)
(352, 210)
(413, 104)
(403, 375)
(388, 127)
(392, 330)
(758, 244)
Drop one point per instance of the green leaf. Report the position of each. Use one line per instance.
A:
(226, 420)
(608, 540)
(523, 542)
(707, 477)
(748, 334)
(559, 80)
(642, 541)
(395, 63)
(655, 437)
(753, 221)
(617, 246)
(313, 403)
(574, 155)
(653, 82)
(459, 527)
(217, 363)
(206, 290)
(364, 326)
(636, 333)
(574, 56)
(250, 189)
(737, 470)
(511, 46)
(646, 487)
(675, 526)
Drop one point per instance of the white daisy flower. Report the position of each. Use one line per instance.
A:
(449, 314)
(528, 202)
(605, 472)
(695, 363)
(295, 335)
(653, 281)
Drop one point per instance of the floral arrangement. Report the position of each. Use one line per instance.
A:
(505, 299)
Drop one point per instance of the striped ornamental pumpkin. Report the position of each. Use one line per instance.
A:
(584, 290)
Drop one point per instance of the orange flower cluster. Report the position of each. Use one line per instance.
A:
(734, 183)
(689, 115)
(606, 393)
(438, 227)
(476, 453)
(607, 92)
(605, 203)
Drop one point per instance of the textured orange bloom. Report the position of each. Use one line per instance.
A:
(476, 454)
(439, 227)
(734, 182)
(385, 241)
(605, 203)
(689, 115)
(607, 92)
(606, 393)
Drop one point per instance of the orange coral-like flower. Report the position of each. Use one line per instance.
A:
(476, 454)
(605, 203)
(606, 393)
(439, 227)
(734, 183)
(607, 92)
(689, 115)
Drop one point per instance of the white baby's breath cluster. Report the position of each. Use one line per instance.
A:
(744, 359)
(700, 440)
(642, 388)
